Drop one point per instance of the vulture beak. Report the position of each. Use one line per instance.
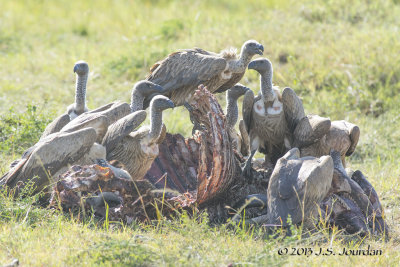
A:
(252, 65)
(260, 50)
(171, 104)
(75, 68)
(158, 88)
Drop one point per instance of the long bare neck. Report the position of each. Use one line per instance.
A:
(232, 111)
(155, 123)
(266, 85)
(80, 93)
(240, 64)
(136, 102)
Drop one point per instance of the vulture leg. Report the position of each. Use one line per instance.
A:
(247, 167)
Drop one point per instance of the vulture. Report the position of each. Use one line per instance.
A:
(48, 156)
(264, 117)
(276, 122)
(296, 188)
(81, 69)
(357, 204)
(342, 137)
(239, 142)
(344, 213)
(182, 72)
(137, 150)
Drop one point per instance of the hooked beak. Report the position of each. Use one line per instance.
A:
(252, 65)
(171, 104)
(243, 90)
(260, 50)
(158, 88)
(75, 68)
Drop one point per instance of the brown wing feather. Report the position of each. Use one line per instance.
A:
(245, 139)
(56, 125)
(121, 128)
(293, 108)
(236, 77)
(162, 134)
(310, 129)
(354, 136)
(247, 109)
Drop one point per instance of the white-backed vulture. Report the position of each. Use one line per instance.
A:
(81, 69)
(264, 117)
(137, 150)
(360, 197)
(48, 156)
(182, 72)
(342, 137)
(296, 188)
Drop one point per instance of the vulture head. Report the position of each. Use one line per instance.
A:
(236, 91)
(261, 65)
(81, 68)
(270, 95)
(160, 103)
(143, 90)
(252, 48)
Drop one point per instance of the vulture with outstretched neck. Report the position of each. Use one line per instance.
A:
(240, 142)
(81, 69)
(264, 117)
(137, 150)
(182, 72)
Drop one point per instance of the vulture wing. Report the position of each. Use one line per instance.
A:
(190, 67)
(56, 125)
(247, 109)
(293, 108)
(121, 128)
(113, 111)
(310, 129)
(245, 145)
(163, 134)
(97, 121)
(354, 132)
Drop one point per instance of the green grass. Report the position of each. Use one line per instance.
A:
(342, 57)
